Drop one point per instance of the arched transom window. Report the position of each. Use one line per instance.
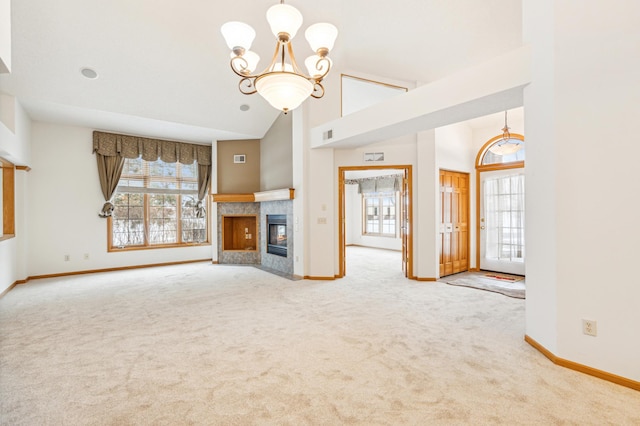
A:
(501, 151)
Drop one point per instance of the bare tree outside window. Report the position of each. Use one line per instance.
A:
(156, 204)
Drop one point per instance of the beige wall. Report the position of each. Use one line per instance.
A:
(276, 155)
(238, 178)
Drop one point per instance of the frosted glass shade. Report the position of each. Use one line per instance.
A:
(284, 91)
(238, 34)
(507, 147)
(312, 65)
(284, 19)
(252, 59)
(321, 35)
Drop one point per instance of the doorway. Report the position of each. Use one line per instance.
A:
(500, 208)
(502, 221)
(402, 213)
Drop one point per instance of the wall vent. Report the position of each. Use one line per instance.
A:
(239, 158)
(327, 135)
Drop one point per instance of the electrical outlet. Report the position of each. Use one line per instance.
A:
(590, 327)
(67, 258)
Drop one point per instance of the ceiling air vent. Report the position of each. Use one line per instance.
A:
(327, 135)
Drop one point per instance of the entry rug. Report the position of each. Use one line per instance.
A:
(480, 281)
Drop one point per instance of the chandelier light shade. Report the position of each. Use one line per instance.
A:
(506, 145)
(238, 35)
(282, 83)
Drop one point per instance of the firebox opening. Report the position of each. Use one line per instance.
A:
(277, 234)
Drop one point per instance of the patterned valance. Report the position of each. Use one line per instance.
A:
(370, 185)
(111, 144)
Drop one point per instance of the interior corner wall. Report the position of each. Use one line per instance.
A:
(64, 199)
(426, 208)
(300, 172)
(581, 249)
(213, 206)
(276, 155)
(238, 178)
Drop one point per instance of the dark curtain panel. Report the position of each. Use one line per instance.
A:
(204, 179)
(109, 172)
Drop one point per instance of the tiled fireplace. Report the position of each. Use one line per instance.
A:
(244, 237)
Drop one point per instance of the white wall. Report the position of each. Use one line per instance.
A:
(16, 147)
(64, 200)
(582, 234)
(5, 36)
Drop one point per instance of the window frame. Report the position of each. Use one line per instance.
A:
(147, 179)
(380, 196)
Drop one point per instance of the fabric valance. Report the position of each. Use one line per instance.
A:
(376, 184)
(111, 144)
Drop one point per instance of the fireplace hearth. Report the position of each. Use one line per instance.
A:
(277, 234)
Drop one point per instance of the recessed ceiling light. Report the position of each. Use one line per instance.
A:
(89, 73)
(244, 107)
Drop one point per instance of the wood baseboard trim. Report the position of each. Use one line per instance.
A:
(215, 262)
(122, 268)
(429, 279)
(610, 377)
(8, 289)
(312, 278)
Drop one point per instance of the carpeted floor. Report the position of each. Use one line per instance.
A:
(234, 345)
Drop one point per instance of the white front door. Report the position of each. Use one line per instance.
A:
(502, 221)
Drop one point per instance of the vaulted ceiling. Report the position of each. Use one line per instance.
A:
(164, 70)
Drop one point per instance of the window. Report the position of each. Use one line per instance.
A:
(489, 158)
(156, 205)
(379, 214)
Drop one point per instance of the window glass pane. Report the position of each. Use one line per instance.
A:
(194, 229)
(156, 221)
(189, 171)
(379, 214)
(491, 158)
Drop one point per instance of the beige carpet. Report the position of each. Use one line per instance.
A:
(234, 345)
(480, 281)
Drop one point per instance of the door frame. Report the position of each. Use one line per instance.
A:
(488, 168)
(405, 229)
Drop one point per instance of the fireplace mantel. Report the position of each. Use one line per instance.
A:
(255, 197)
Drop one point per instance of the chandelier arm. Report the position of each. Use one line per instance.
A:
(238, 64)
(247, 85)
(274, 58)
(317, 87)
(319, 67)
(294, 63)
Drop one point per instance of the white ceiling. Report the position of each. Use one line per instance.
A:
(164, 67)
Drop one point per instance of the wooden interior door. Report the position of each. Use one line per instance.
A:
(454, 222)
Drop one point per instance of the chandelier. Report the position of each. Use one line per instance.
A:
(506, 145)
(283, 84)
